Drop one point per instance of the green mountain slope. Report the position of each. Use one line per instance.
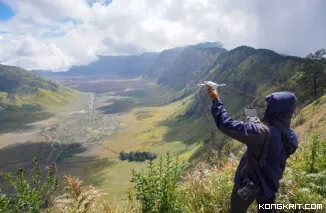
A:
(250, 75)
(19, 87)
(162, 63)
(17, 80)
(191, 65)
(24, 96)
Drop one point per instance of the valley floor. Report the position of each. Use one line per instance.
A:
(86, 137)
(73, 129)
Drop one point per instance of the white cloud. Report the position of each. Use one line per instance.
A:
(47, 34)
(29, 52)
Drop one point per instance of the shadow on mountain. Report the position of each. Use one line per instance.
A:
(140, 115)
(186, 128)
(135, 93)
(13, 117)
(73, 162)
(118, 106)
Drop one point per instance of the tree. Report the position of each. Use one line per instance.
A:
(314, 70)
(131, 156)
(152, 156)
(145, 155)
(141, 156)
(124, 156)
(137, 156)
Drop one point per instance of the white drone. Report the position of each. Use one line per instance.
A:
(211, 84)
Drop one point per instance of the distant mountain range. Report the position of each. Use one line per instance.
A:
(248, 72)
(106, 66)
(147, 64)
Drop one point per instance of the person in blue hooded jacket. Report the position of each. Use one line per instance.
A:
(272, 137)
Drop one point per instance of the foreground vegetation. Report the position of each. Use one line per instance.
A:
(164, 188)
(29, 196)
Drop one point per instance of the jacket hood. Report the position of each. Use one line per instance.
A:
(280, 108)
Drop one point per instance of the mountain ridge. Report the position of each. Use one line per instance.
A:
(25, 97)
(147, 64)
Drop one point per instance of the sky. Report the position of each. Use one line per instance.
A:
(55, 35)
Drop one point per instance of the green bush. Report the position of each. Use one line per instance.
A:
(304, 180)
(315, 154)
(28, 197)
(157, 189)
(137, 156)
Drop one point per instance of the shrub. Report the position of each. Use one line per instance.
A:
(316, 154)
(123, 156)
(304, 180)
(29, 197)
(80, 199)
(208, 189)
(131, 157)
(157, 190)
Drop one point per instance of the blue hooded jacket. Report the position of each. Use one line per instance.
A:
(278, 114)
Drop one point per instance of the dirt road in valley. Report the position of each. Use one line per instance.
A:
(66, 135)
(81, 130)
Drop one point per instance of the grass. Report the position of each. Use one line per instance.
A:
(24, 109)
(157, 125)
(315, 118)
(16, 117)
(139, 131)
(145, 131)
(144, 114)
(103, 86)
(118, 106)
(208, 188)
(44, 98)
(138, 134)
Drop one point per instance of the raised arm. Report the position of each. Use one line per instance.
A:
(249, 133)
(246, 132)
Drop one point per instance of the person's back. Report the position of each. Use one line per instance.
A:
(262, 165)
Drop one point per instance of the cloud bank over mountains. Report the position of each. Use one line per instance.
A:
(55, 35)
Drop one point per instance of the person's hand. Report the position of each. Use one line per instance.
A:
(212, 93)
